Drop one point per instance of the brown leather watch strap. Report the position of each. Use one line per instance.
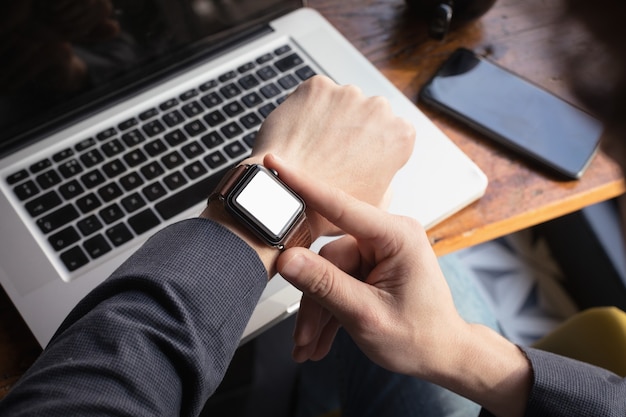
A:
(300, 233)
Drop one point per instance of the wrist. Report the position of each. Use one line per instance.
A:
(488, 369)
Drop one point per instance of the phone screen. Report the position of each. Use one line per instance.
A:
(515, 112)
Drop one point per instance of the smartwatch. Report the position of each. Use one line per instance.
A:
(256, 197)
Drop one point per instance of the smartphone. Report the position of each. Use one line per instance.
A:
(514, 112)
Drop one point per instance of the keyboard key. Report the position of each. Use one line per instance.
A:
(192, 109)
(230, 90)
(85, 144)
(17, 177)
(43, 203)
(188, 94)
(288, 82)
(267, 109)
(114, 168)
(88, 203)
(215, 118)
(174, 181)
(111, 213)
(266, 73)
(132, 138)
(166, 105)
(109, 192)
(26, 190)
(195, 170)
(246, 67)
(192, 150)
(119, 234)
(289, 62)
(127, 124)
(152, 170)
(264, 58)
(211, 100)
(305, 73)
(175, 137)
(148, 114)
(235, 149)
(131, 181)
(40, 166)
(74, 258)
(48, 179)
(64, 238)
(195, 128)
(91, 158)
(89, 225)
(249, 139)
(173, 118)
(252, 100)
(133, 202)
(250, 120)
(215, 159)
(61, 155)
(155, 147)
(270, 90)
(106, 134)
(97, 246)
(233, 108)
(134, 158)
(71, 189)
(187, 197)
(144, 221)
(208, 85)
(57, 218)
(282, 50)
(153, 128)
(154, 191)
(211, 140)
(248, 81)
(172, 160)
(70, 168)
(231, 130)
(92, 179)
(227, 76)
(112, 148)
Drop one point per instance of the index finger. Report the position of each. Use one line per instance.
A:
(353, 216)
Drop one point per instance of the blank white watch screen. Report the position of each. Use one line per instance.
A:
(271, 204)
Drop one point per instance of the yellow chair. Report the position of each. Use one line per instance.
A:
(596, 336)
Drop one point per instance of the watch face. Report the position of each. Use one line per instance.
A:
(266, 204)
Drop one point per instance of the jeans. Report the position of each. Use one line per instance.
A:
(347, 379)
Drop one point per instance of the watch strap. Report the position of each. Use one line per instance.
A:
(300, 233)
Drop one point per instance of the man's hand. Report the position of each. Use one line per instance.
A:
(383, 284)
(339, 136)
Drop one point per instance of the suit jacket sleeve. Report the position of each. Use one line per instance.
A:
(563, 387)
(156, 337)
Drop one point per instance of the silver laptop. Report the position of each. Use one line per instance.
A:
(130, 130)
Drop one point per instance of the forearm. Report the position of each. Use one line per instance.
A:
(486, 368)
(156, 337)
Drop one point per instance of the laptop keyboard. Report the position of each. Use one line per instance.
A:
(105, 190)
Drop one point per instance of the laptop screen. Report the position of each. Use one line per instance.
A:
(61, 59)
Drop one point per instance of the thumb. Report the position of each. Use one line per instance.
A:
(322, 281)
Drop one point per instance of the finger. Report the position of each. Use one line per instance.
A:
(343, 253)
(343, 296)
(311, 318)
(326, 339)
(353, 216)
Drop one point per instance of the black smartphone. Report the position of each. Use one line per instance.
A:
(515, 112)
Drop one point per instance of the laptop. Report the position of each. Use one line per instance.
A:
(118, 130)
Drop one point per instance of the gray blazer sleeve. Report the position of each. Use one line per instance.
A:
(565, 387)
(156, 337)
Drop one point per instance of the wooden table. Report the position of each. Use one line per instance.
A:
(519, 34)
